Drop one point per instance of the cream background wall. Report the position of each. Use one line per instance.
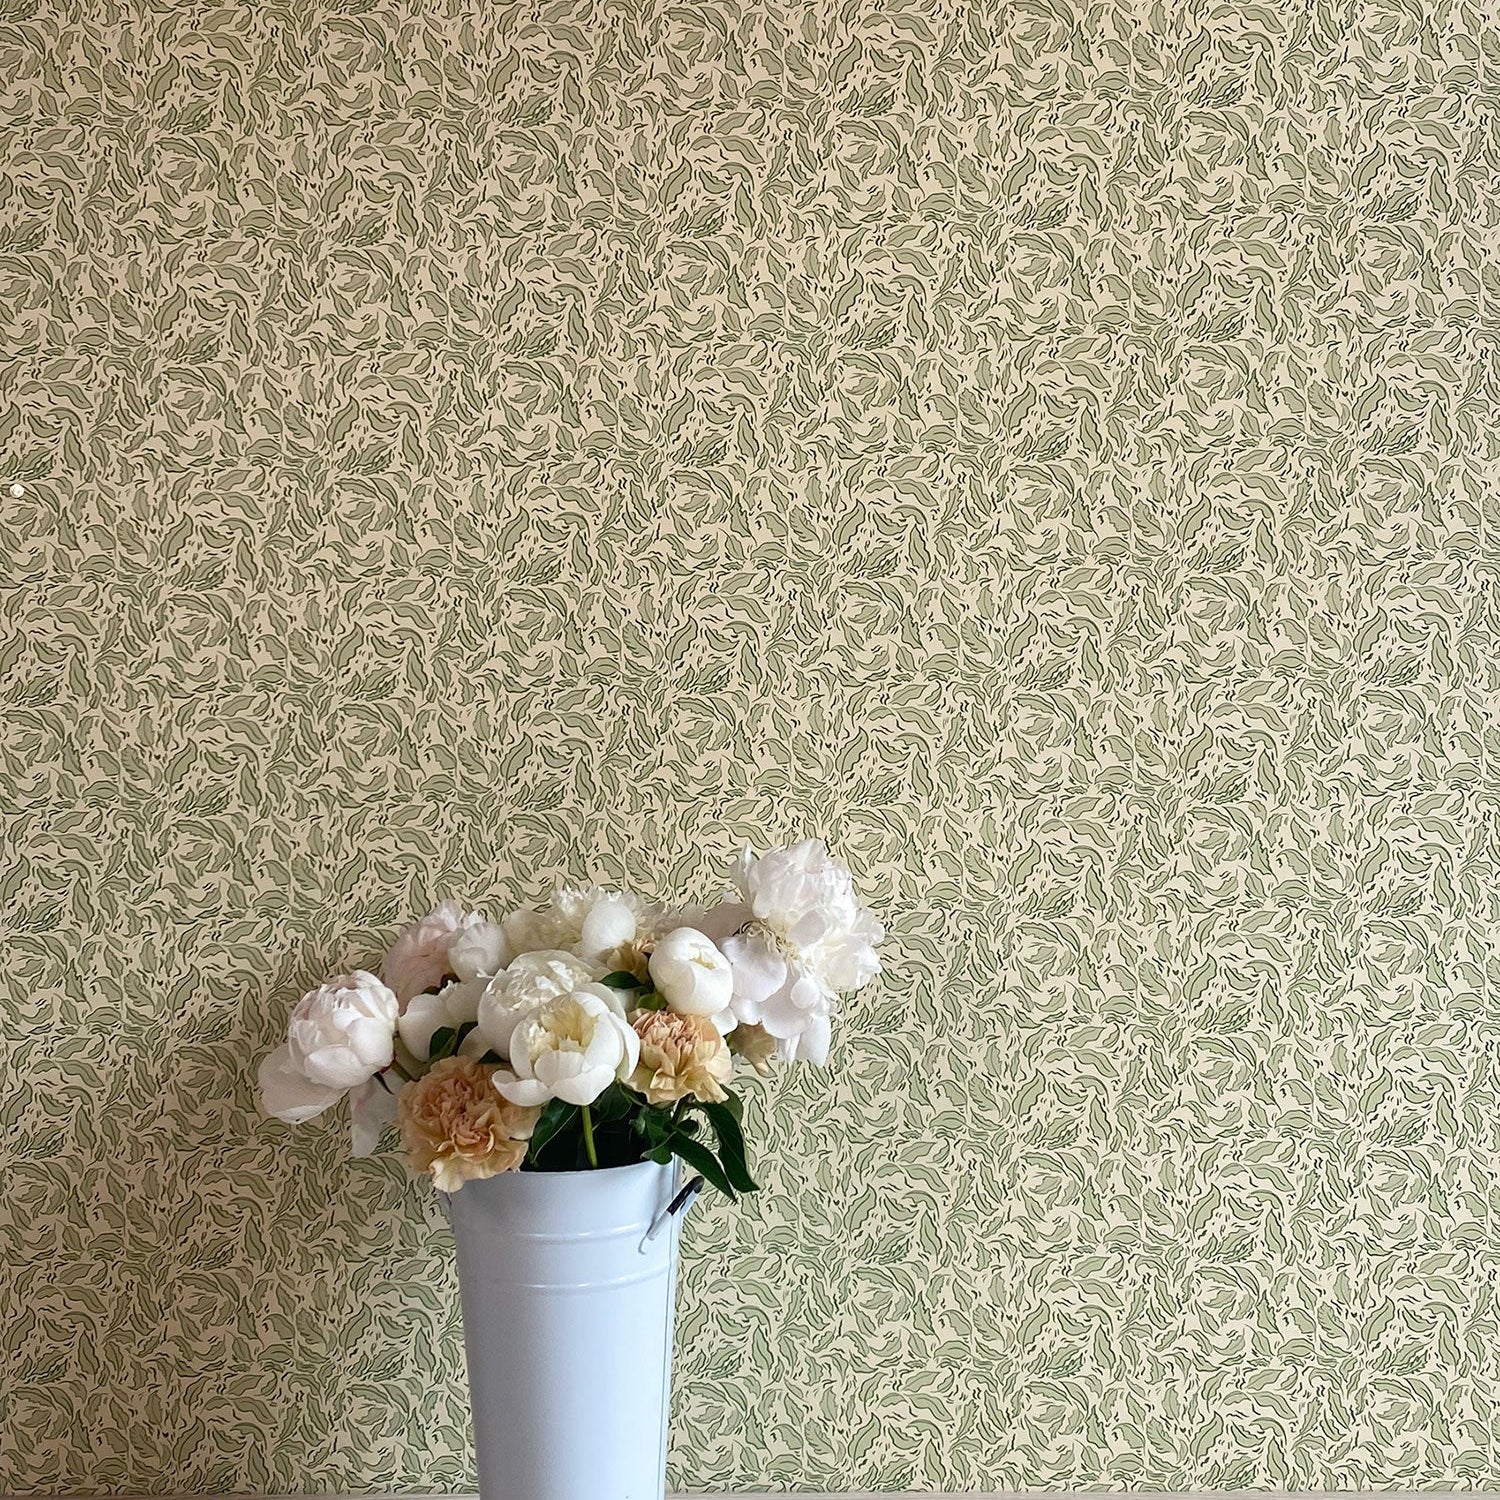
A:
(1046, 448)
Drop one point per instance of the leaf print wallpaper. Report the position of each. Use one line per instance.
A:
(1048, 448)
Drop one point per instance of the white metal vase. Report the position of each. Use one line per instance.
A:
(568, 1313)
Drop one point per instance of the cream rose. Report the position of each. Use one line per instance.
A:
(680, 1055)
(456, 1128)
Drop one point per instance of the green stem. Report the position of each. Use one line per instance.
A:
(588, 1137)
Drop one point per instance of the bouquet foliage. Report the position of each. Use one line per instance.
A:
(597, 1031)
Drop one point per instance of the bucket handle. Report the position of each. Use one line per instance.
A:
(679, 1205)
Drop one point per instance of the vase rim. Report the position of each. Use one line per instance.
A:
(576, 1172)
(598, 1186)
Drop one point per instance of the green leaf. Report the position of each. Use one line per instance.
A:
(444, 1040)
(465, 1029)
(655, 1123)
(614, 1103)
(555, 1115)
(700, 1159)
(650, 1000)
(621, 979)
(731, 1146)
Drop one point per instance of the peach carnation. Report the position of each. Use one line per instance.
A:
(680, 1055)
(456, 1127)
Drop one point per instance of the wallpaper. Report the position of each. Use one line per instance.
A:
(1046, 448)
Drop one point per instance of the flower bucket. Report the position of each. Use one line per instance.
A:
(568, 1311)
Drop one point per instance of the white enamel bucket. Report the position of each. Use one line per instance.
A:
(568, 1311)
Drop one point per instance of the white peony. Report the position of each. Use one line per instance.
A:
(693, 976)
(530, 982)
(454, 1005)
(418, 960)
(572, 1048)
(606, 924)
(807, 939)
(343, 1032)
(528, 930)
(778, 994)
(806, 899)
(478, 950)
(594, 923)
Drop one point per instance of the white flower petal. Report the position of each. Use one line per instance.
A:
(553, 1068)
(807, 993)
(794, 1008)
(525, 1091)
(530, 931)
(370, 1038)
(691, 974)
(612, 999)
(806, 903)
(520, 1051)
(336, 1067)
(372, 1107)
(573, 1078)
(606, 1046)
(759, 972)
(454, 1006)
(849, 961)
(569, 922)
(424, 1014)
(781, 1018)
(814, 1042)
(631, 1048)
(462, 1000)
(286, 1093)
(529, 983)
(343, 1032)
(573, 1042)
(716, 923)
(418, 959)
(585, 1086)
(497, 1022)
(810, 928)
(610, 924)
(479, 950)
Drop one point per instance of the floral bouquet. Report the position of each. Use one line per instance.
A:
(598, 1031)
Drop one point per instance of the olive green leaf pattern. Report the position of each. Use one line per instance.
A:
(1046, 448)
